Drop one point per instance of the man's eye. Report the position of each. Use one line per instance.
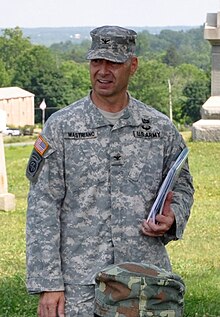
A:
(114, 63)
(95, 61)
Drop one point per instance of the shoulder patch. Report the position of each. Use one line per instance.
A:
(34, 166)
(41, 145)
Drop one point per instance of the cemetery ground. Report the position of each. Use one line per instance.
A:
(196, 257)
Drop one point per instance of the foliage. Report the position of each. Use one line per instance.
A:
(77, 76)
(181, 77)
(195, 257)
(71, 52)
(149, 84)
(4, 75)
(189, 45)
(143, 43)
(171, 56)
(37, 69)
(12, 45)
(22, 139)
(27, 129)
(32, 67)
(196, 94)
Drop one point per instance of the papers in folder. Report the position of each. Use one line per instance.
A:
(167, 185)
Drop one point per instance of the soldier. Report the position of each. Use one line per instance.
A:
(95, 171)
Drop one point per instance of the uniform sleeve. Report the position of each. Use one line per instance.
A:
(47, 191)
(183, 192)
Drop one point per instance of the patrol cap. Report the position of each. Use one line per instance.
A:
(112, 43)
(132, 289)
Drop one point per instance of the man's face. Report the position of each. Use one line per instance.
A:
(110, 79)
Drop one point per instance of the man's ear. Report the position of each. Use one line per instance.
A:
(134, 64)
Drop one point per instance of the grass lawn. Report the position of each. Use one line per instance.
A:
(196, 257)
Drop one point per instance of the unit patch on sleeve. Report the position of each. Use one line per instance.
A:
(34, 166)
(36, 160)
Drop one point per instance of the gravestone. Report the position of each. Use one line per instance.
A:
(208, 128)
(7, 200)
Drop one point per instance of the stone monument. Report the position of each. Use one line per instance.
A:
(7, 200)
(208, 128)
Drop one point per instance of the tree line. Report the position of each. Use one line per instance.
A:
(174, 69)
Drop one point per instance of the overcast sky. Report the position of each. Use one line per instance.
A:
(61, 13)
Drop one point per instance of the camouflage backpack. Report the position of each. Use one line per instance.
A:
(138, 290)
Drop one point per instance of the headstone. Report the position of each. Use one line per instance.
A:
(208, 128)
(3, 117)
(7, 200)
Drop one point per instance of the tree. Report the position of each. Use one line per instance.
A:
(180, 77)
(12, 45)
(77, 76)
(171, 57)
(70, 51)
(149, 84)
(4, 76)
(196, 94)
(36, 71)
(142, 43)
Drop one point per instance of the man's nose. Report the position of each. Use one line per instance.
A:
(104, 67)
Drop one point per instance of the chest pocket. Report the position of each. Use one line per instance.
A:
(85, 162)
(145, 168)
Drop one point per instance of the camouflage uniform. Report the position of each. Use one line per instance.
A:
(92, 184)
(113, 43)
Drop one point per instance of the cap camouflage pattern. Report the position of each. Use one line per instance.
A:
(112, 43)
(138, 290)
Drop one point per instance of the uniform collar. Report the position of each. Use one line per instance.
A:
(130, 117)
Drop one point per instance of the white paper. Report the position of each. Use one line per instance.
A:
(168, 184)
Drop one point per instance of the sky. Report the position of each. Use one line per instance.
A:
(69, 13)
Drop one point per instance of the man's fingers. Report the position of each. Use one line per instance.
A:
(60, 308)
(166, 207)
(51, 304)
(47, 310)
(151, 229)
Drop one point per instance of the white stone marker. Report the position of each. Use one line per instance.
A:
(208, 128)
(7, 200)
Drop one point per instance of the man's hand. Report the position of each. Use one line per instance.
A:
(51, 304)
(164, 221)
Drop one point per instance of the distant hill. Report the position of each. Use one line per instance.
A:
(50, 35)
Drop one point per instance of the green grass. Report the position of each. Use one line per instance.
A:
(14, 301)
(196, 257)
(20, 139)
